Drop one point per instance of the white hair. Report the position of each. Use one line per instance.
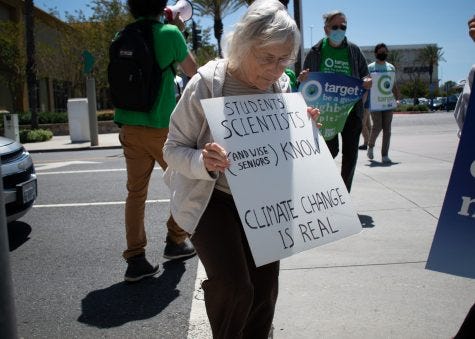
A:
(265, 22)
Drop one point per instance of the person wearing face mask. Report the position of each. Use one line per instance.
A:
(335, 54)
(382, 119)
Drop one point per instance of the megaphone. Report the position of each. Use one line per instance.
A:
(183, 7)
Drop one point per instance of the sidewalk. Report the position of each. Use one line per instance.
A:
(63, 143)
(374, 284)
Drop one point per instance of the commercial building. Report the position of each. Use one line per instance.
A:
(406, 59)
(54, 80)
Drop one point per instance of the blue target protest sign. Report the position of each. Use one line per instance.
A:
(453, 247)
(335, 95)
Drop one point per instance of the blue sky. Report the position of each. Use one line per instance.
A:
(370, 22)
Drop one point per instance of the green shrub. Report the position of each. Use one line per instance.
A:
(35, 135)
(410, 108)
(105, 116)
(52, 117)
(402, 108)
(422, 108)
(24, 118)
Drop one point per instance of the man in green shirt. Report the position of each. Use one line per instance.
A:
(335, 54)
(142, 136)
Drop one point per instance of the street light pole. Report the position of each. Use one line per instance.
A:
(298, 19)
(8, 326)
(311, 36)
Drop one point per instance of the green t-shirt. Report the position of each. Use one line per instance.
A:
(293, 79)
(334, 60)
(170, 47)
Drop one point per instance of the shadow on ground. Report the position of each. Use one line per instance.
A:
(125, 302)
(366, 221)
(374, 163)
(18, 234)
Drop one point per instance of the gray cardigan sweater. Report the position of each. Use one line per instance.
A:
(191, 185)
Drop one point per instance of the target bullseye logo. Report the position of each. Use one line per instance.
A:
(384, 84)
(312, 90)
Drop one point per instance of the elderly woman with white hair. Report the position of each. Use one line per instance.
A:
(240, 298)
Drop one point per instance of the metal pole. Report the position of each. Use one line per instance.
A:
(311, 36)
(298, 20)
(91, 103)
(8, 329)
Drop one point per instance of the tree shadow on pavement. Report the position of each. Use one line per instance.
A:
(125, 302)
(18, 234)
(366, 221)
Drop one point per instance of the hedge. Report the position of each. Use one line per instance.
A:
(24, 118)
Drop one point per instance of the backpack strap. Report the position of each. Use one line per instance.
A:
(148, 23)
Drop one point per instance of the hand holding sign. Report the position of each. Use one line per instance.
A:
(215, 157)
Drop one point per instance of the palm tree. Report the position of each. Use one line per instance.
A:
(218, 9)
(431, 55)
(284, 2)
(395, 58)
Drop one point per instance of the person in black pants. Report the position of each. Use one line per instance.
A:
(335, 54)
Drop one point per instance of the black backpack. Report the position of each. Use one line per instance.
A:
(133, 73)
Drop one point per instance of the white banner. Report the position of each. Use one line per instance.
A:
(286, 186)
(381, 94)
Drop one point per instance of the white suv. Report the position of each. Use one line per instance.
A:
(19, 179)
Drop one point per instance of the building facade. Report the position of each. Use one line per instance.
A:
(53, 89)
(408, 67)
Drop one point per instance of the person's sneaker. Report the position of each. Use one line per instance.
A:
(363, 147)
(386, 160)
(370, 153)
(138, 268)
(178, 251)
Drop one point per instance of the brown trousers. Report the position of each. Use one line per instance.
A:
(240, 298)
(142, 149)
(381, 121)
(365, 132)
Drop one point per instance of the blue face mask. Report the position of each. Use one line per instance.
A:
(337, 36)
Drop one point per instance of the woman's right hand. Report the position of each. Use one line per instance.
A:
(303, 75)
(215, 157)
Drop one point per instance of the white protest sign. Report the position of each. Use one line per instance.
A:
(381, 94)
(287, 189)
